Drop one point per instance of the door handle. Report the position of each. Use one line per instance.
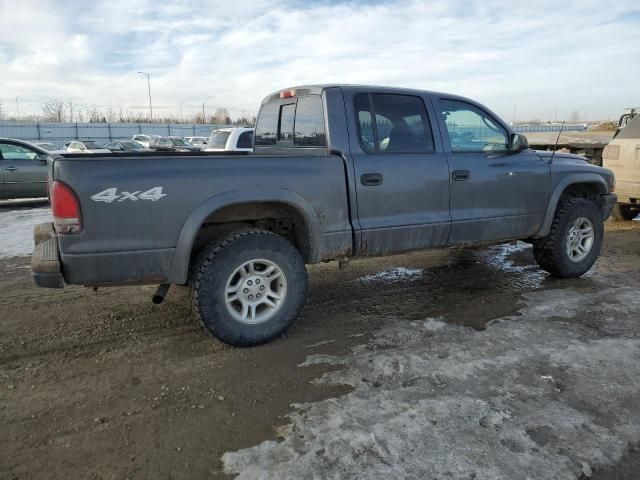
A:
(461, 175)
(10, 168)
(371, 179)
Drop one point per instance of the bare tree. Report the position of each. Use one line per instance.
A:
(54, 110)
(110, 116)
(221, 116)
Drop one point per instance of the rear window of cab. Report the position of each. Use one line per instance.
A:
(295, 122)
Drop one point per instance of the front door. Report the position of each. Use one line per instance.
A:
(24, 172)
(495, 194)
(401, 173)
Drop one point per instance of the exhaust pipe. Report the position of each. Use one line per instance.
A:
(161, 292)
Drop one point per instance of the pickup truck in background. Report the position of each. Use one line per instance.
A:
(337, 172)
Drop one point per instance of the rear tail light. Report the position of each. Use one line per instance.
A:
(66, 209)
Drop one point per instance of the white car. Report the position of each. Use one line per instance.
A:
(238, 139)
(49, 147)
(144, 140)
(197, 141)
(86, 146)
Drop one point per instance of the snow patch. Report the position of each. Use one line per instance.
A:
(393, 275)
(318, 344)
(16, 230)
(434, 400)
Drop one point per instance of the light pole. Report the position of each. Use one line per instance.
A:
(149, 87)
(203, 115)
(18, 108)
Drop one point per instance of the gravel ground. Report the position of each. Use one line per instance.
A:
(444, 364)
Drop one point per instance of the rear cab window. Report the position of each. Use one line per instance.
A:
(292, 122)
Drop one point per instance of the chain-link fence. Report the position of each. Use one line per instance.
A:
(60, 133)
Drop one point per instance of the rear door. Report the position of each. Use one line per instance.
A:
(401, 172)
(24, 172)
(495, 194)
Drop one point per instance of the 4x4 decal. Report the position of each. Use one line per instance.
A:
(111, 195)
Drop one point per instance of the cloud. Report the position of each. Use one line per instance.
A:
(575, 56)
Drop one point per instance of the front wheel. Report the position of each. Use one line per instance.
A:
(249, 288)
(574, 241)
(624, 212)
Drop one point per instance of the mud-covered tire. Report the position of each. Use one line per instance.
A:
(624, 212)
(216, 268)
(551, 251)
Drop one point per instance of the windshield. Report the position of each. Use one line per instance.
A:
(218, 139)
(48, 146)
(91, 145)
(179, 142)
(133, 145)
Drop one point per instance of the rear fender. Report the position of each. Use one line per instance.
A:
(178, 272)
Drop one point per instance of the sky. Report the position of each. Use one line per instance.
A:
(531, 57)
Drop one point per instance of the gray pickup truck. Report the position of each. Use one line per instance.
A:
(337, 172)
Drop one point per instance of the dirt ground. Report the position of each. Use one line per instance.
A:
(107, 385)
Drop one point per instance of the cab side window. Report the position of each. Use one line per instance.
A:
(471, 129)
(401, 124)
(245, 140)
(17, 152)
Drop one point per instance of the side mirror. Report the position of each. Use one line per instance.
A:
(42, 157)
(518, 142)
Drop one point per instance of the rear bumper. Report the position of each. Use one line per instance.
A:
(45, 262)
(608, 202)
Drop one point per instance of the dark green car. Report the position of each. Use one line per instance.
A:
(23, 170)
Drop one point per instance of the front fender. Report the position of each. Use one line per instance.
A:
(571, 179)
(180, 264)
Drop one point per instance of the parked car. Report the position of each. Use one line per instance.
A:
(86, 146)
(163, 144)
(50, 147)
(144, 140)
(181, 145)
(328, 180)
(622, 156)
(239, 139)
(197, 141)
(23, 169)
(125, 146)
(172, 144)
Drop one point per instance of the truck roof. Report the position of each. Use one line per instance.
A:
(317, 90)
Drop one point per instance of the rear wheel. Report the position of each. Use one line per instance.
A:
(574, 241)
(249, 287)
(624, 212)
